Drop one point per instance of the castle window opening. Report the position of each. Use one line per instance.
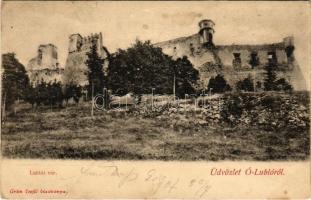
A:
(272, 57)
(254, 60)
(237, 60)
(40, 54)
(79, 45)
(191, 49)
(289, 51)
(175, 50)
(254, 54)
(54, 54)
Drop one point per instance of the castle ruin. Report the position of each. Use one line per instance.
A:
(235, 62)
(75, 68)
(45, 65)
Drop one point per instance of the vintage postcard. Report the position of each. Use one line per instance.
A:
(155, 99)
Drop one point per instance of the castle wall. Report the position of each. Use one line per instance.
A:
(225, 53)
(75, 41)
(219, 60)
(45, 65)
(184, 46)
(46, 58)
(48, 55)
(75, 68)
(47, 75)
(190, 47)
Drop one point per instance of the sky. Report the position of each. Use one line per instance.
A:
(26, 25)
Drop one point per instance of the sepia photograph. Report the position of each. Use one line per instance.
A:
(153, 81)
(189, 97)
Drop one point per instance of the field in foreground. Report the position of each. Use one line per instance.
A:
(73, 134)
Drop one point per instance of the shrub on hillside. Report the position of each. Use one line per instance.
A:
(45, 94)
(283, 85)
(232, 108)
(271, 112)
(245, 85)
(218, 84)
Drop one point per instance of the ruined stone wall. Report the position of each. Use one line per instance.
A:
(78, 43)
(46, 58)
(226, 54)
(75, 68)
(45, 65)
(221, 60)
(48, 54)
(75, 41)
(47, 75)
(190, 47)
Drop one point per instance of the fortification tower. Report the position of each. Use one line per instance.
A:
(46, 57)
(206, 32)
(75, 42)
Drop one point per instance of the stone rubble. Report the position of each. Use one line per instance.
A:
(263, 110)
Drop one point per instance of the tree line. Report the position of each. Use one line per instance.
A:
(140, 69)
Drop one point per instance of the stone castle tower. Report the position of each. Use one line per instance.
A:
(75, 68)
(206, 32)
(78, 43)
(234, 61)
(46, 58)
(45, 65)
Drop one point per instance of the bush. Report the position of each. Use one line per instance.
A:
(283, 85)
(246, 85)
(232, 109)
(72, 91)
(269, 111)
(218, 84)
(46, 94)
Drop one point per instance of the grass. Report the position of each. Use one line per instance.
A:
(73, 134)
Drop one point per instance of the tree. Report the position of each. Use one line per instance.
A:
(144, 68)
(218, 84)
(72, 91)
(246, 84)
(283, 85)
(186, 76)
(42, 93)
(269, 82)
(15, 81)
(31, 95)
(96, 74)
(48, 94)
(56, 94)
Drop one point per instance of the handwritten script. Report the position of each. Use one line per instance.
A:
(152, 179)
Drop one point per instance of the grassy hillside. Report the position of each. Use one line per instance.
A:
(73, 134)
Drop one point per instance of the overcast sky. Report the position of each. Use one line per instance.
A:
(26, 25)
